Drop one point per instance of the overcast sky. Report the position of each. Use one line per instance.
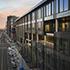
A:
(14, 7)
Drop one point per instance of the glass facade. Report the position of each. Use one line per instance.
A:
(65, 5)
(47, 51)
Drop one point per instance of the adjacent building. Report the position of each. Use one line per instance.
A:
(44, 34)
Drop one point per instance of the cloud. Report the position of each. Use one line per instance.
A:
(17, 12)
(14, 7)
(2, 24)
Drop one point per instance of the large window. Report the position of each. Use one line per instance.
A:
(59, 26)
(52, 7)
(33, 25)
(47, 27)
(50, 26)
(29, 17)
(39, 14)
(29, 26)
(25, 23)
(56, 6)
(44, 10)
(33, 16)
(49, 9)
(61, 5)
(50, 39)
(25, 27)
(25, 18)
(40, 26)
(65, 4)
(63, 25)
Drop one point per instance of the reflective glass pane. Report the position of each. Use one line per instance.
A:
(33, 25)
(44, 11)
(52, 7)
(47, 10)
(33, 15)
(65, 4)
(61, 5)
(41, 12)
(47, 28)
(29, 17)
(56, 6)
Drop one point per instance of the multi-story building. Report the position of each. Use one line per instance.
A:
(44, 34)
(10, 25)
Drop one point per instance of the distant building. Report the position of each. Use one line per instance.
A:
(10, 25)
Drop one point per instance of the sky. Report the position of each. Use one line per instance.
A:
(14, 7)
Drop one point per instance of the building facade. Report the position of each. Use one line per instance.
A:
(10, 26)
(44, 34)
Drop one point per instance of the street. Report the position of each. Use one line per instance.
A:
(3, 59)
(10, 58)
(3, 53)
